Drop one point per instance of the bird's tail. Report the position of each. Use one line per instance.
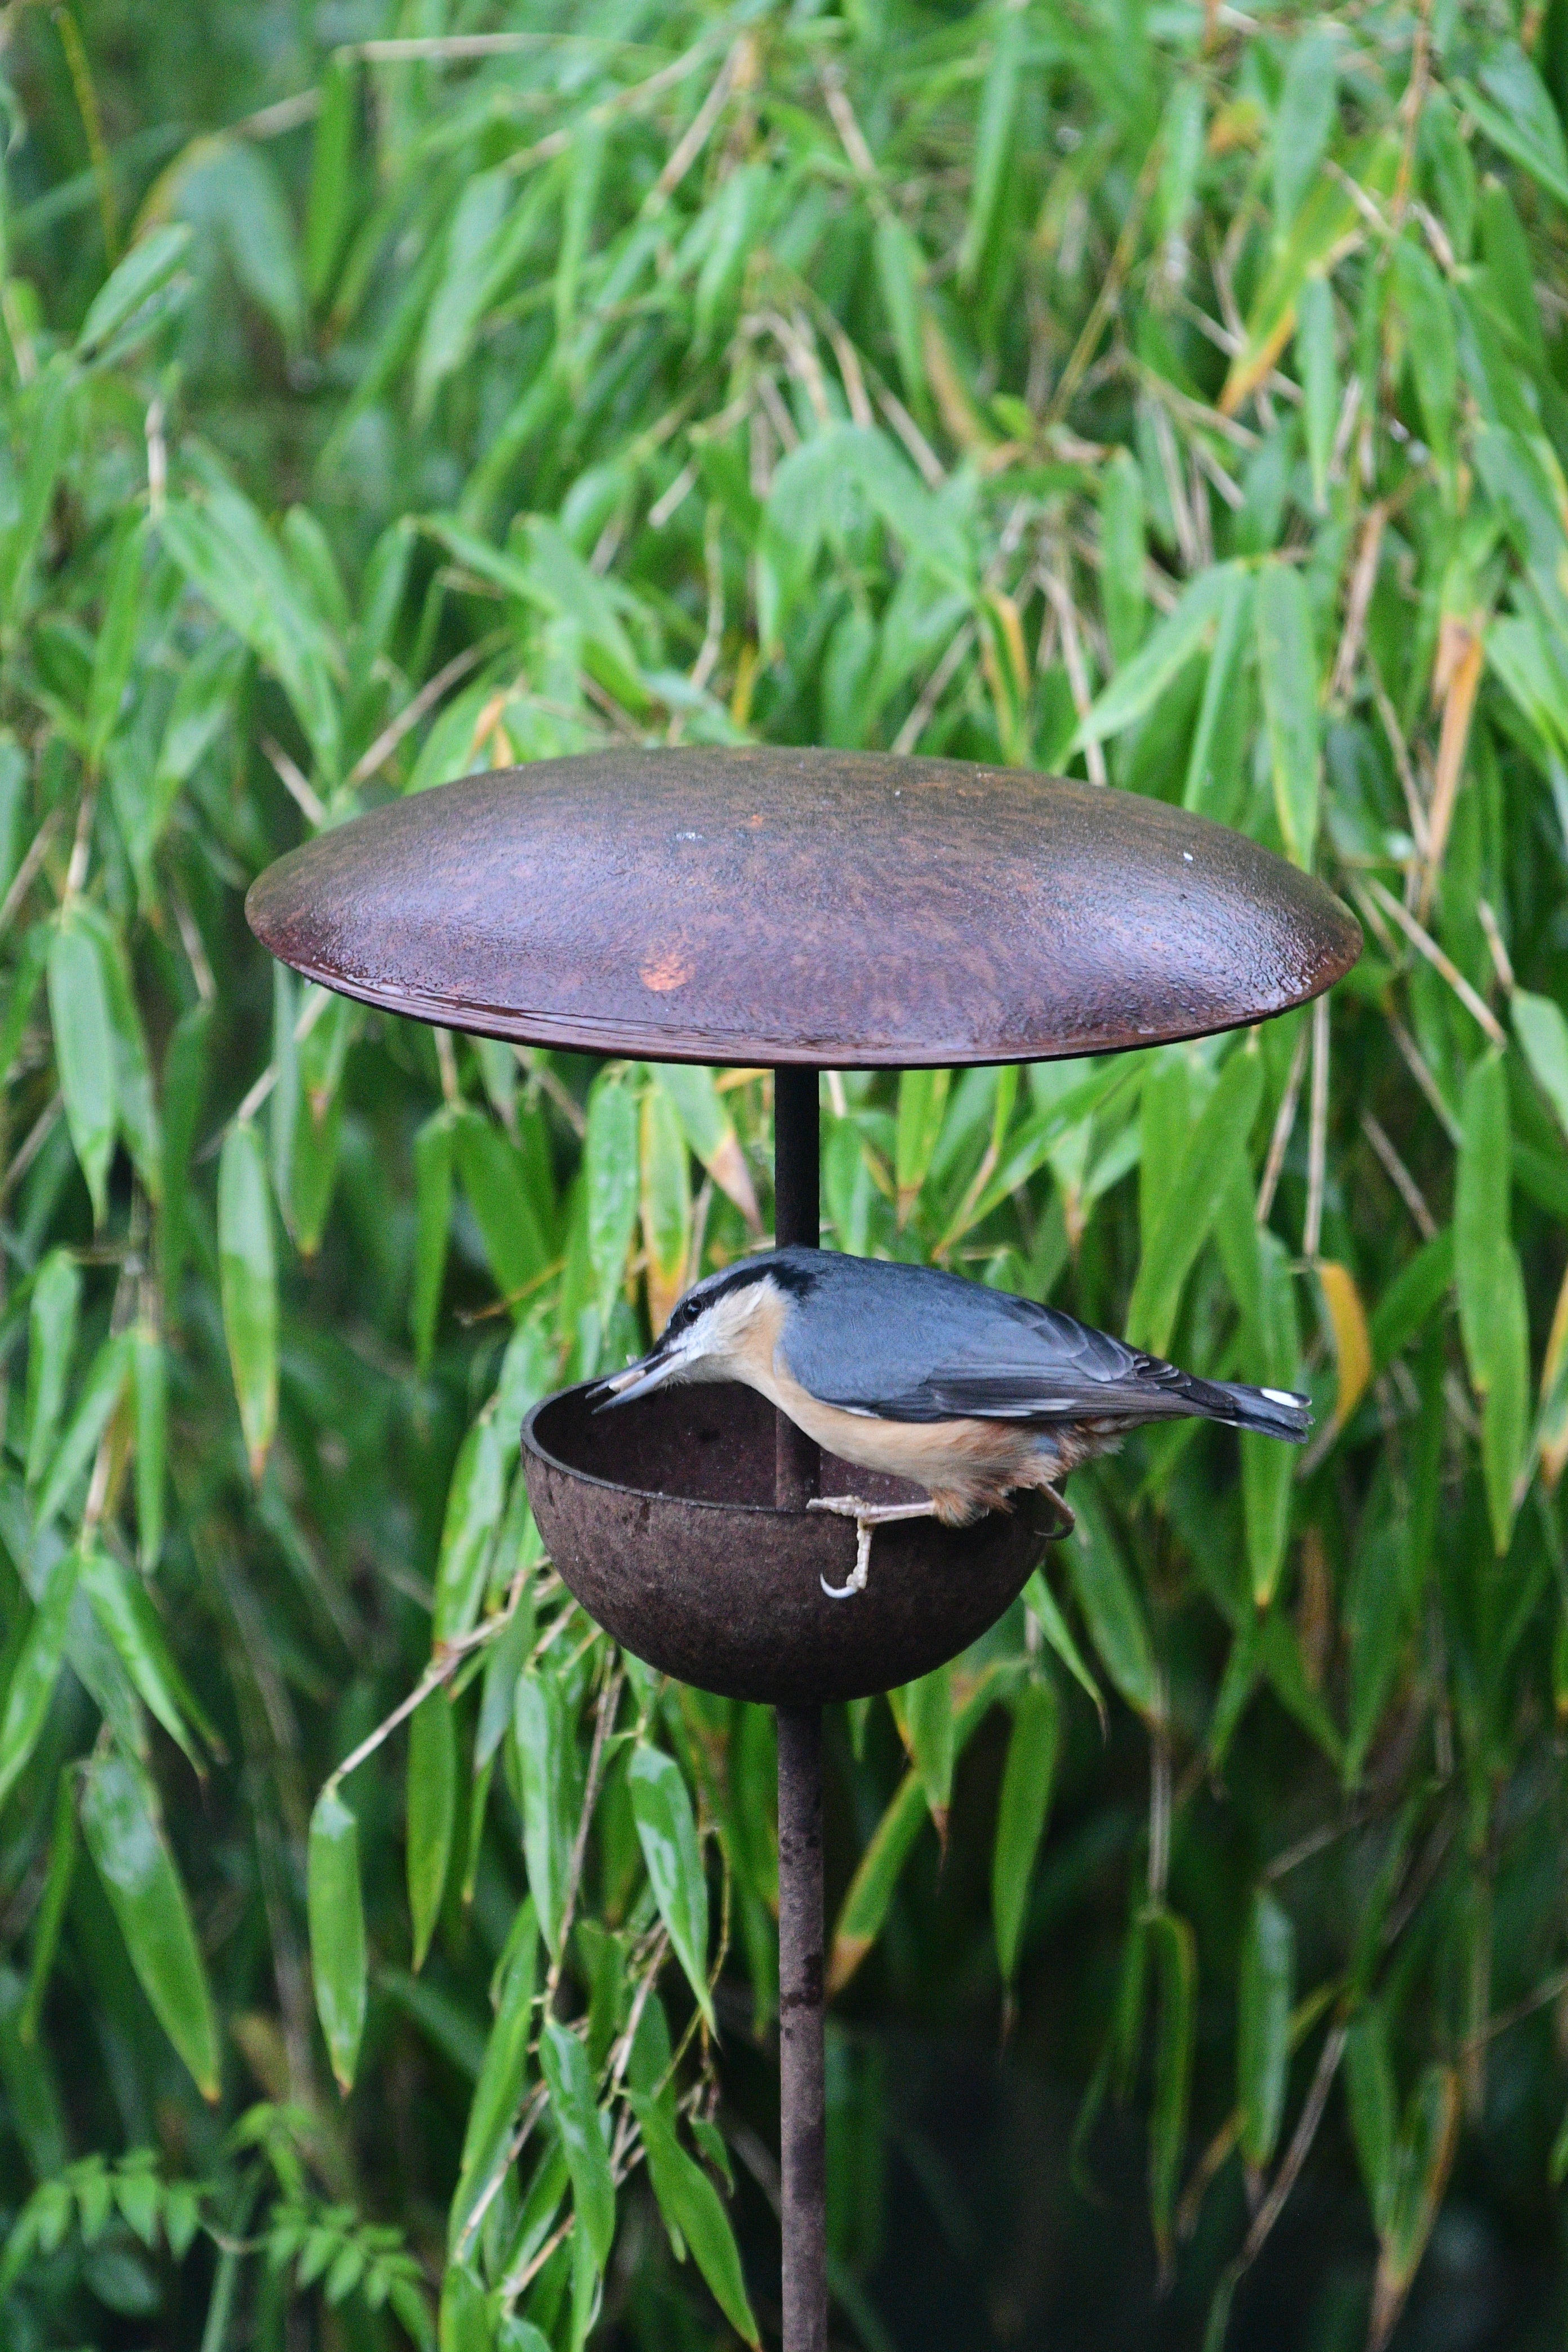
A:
(1276, 1412)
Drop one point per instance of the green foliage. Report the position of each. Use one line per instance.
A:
(1179, 397)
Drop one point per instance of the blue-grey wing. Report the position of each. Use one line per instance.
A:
(912, 1344)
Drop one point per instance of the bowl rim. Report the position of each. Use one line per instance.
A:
(529, 1441)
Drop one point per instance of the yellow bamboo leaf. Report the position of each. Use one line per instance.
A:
(728, 1171)
(1242, 123)
(1555, 1434)
(1328, 224)
(1010, 626)
(1461, 644)
(958, 411)
(1352, 1342)
(666, 1204)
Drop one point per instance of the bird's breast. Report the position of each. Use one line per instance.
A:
(945, 1454)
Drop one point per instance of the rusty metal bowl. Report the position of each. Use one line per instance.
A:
(659, 1518)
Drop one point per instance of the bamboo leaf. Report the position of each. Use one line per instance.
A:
(544, 1772)
(133, 1626)
(1506, 1409)
(1122, 555)
(474, 1504)
(51, 1343)
(1302, 123)
(337, 1931)
(228, 556)
(464, 283)
(122, 606)
(926, 1719)
(1320, 380)
(1039, 1597)
(120, 1826)
(150, 264)
(666, 1204)
(900, 269)
(101, 1393)
(1326, 223)
(1353, 1339)
(1021, 1814)
(248, 1272)
(1434, 361)
(711, 1133)
(1490, 1285)
(695, 2215)
(564, 2065)
(84, 1052)
(150, 1403)
(865, 1904)
(1411, 1297)
(1112, 1609)
(35, 1672)
(433, 1200)
(1288, 667)
(1542, 1032)
(1175, 1952)
(496, 1182)
(668, 1835)
(46, 417)
(1139, 686)
(610, 1173)
(1214, 1148)
(1518, 116)
(1374, 2108)
(331, 197)
(498, 2092)
(1263, 2032)
(432, 1814)
(185, 1085)
(51, 1914)
(1422, 2162)
(135, 1105)
(992, 140)
(922, 1106)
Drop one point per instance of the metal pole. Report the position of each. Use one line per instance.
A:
(803, 2145)
(803, 2169)
(797, 1217)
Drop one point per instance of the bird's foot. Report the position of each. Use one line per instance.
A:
(866, 1516)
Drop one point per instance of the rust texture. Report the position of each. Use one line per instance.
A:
(851, 910)
(661, 1518)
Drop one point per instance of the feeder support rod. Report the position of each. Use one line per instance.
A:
(803, 2168)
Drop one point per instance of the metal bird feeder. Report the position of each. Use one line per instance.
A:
(805, 910)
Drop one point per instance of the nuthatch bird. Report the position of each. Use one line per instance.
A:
(969, 1393)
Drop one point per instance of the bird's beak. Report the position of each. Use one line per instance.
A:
(638, 1380)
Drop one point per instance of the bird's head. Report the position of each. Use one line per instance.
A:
(722, 1330)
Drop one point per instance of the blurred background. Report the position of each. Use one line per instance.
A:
(1172, 395)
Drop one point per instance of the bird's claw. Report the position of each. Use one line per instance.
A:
(845, 1506)
(1067, 1518)
(861, 1570)
(866, 1516)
